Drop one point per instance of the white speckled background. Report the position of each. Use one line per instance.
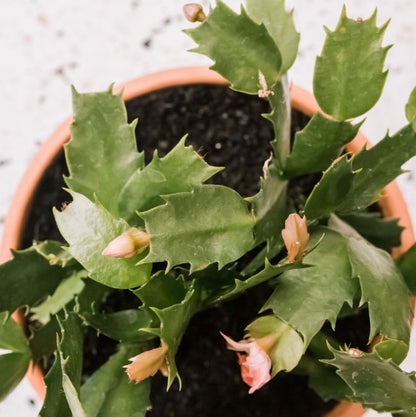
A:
(47, 45)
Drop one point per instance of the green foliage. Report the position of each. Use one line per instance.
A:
(328, 278)
(318, 145)
(407, 266)
(55, 253)
(280, 117)
(174, 302)
(64, 378)
(14, 362)
(180, 170)
(240, 65)
(279, 23)
(411, 109)
(349, 77)
(108, 392)
(382, 286)
(102, 154)
(124, 326)
(382, 232)
(207, 225)
(64, 293)
(26, 279)
(88, 228)
(269, 207)
(355, 183)
(376, 382)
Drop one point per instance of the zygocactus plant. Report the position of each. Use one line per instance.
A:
(324, 257)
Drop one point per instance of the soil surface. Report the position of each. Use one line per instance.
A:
(227, 129)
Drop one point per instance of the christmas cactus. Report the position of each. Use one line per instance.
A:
(158, 231)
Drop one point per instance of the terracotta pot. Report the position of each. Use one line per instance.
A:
(392, 204)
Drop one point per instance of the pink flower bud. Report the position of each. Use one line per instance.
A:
(128, 244)
(194, 12)
(296, 237)
(147, 364)
(255, 362)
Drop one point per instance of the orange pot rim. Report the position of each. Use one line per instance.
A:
(392, 203)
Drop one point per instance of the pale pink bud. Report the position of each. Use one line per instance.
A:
(255, 362)
(147, 364)
(128, 244)
(194, 12)
(296, 237)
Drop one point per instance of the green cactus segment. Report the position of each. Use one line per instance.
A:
(280, 117)
(381, 232)
(411, 109)
(180, 170)
(407, 266)
(324, 380)
(382, 286)
(270, 271)
(173, 322)
(377, 383)
(26, 270)
(89, 228)
(207, 225)
(279, 23)
(239, 47)
(378, 166)
(329, 193)
(318, 145)
(174, 301)
(269, 207)
(64, 294)
(15, 361)
(56, 253)
(349, 76)
(102, 153)
(328, 278)
(355, 183)
(124, 326)
(288, 348)
(64, 378)
(109, 393)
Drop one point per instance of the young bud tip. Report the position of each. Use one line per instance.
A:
(194, 12)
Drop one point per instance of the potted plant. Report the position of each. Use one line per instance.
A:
(311, 259)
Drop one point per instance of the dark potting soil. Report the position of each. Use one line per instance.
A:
(226, 128)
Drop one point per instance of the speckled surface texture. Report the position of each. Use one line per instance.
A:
(47, 45)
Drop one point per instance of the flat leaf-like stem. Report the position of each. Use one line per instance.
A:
(174, 301)
(26, 279)
(382, 285)
(64, 378)
(385, 233)
(269, 207)
(102, 153)
(318, 145)
(279, 23)
(88, 228)
(349, 76)
(375, 382)
(124, 326)
(354, 183)
(180, 170)
(65, 293)
(323, 287)
(15, 361)
(407, 266)
(239, 47)
(207, 225)
(108, 392)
